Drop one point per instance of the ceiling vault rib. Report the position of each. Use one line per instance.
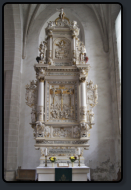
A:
(25, 31)
(102, 24)
(32, 17)
(105, 33)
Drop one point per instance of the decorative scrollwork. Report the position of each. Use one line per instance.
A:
(31, 94)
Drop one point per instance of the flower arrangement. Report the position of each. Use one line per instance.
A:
(73, 158)
(52, 159)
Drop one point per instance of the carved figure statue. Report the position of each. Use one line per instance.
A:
(91, 116)
(33, 117)
(66, 115)
(61, 114)
(74, 24)
(62, 14)
(42, 49)
(82, 48)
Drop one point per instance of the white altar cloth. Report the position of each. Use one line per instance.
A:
(81, 173)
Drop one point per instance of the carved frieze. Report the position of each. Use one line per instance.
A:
(62, 132)
(61, 151)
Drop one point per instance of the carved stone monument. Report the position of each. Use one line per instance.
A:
(61, 97)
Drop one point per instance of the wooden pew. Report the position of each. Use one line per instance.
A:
(25, 174)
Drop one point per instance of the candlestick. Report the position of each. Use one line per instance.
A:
(79, 151)
(79, 160)
(45, 161)
(46, 151)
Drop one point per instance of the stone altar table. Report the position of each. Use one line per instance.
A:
(78, 173)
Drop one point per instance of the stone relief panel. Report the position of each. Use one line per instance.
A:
(76, 132)
(62, 132)
(62, 101)
(61, 49)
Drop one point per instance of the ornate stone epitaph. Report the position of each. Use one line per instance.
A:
(62, 99)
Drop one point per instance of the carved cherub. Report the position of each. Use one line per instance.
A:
(40, 127)
(51, 23)
(74, 24)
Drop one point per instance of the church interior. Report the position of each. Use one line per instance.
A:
(62, 92)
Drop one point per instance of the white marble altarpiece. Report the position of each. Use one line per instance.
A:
(61, 98)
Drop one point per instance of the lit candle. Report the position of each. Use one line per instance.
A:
(46, 151)
(79, 151)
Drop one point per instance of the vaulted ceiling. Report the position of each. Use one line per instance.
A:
(30, 12)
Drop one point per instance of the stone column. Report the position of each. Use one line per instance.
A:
(40, 104)
(50, 47)
(74, 49)
(83, 106)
